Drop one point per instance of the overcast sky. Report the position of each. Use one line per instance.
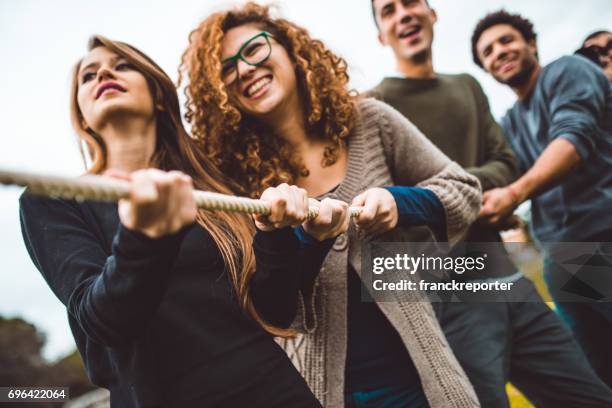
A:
(40, 41)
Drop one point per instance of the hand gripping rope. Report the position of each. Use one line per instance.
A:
(98, 188)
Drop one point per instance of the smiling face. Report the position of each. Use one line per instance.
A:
(109, 86)
(506, 55)
(406, 26)
(258, 89)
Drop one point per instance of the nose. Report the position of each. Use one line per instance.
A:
(244, 69)
(405, 18)
(499, 51)
(404, 15)
(104, 73)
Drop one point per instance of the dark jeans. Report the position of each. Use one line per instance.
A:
(590, 319)
(523, 342)
(387, 397)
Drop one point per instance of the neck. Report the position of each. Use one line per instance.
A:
(287, 121)
(524, 90)
(130, 143)
(419, 67)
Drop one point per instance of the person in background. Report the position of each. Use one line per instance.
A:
(597, 47)
(502, 336)
(561, 130)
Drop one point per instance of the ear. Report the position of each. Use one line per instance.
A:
(533, 47)
(381, 39)
(434, 15)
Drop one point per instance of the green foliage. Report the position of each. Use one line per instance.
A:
(21, 362)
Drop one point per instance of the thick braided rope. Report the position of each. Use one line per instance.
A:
(93, 187)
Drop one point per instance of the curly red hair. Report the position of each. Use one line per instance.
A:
(244, 149)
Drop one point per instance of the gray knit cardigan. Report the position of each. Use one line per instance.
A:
(385, 149)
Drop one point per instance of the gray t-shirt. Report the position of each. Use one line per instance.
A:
(572, 99)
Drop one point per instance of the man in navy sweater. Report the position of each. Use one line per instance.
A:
(561, 131)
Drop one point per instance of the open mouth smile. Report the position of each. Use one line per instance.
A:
(257, 85)
(506, 65)
(409, 33)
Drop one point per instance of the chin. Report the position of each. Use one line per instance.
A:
(501, 80)
(416, 52)
(514, 80)
(520, 75)
(119, 109)
(261, 107)
(107, 113)
(111, 106)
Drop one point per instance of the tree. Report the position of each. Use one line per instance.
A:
(22, 365)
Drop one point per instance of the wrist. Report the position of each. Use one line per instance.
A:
(305, 235)
(137, 241)
(149, 232)
(159, 231)
(525, 187)
(261, 226)
(516, 198)
(312, 236)
(264, 228)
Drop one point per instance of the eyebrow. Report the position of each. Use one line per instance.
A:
(498, 38)
(227, 58)
(489, 44)
(485, 48)
(96, 63)
(386, 5)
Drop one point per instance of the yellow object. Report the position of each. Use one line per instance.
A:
(517, 400)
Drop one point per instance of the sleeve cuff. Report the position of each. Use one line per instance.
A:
(307, 239)
(420, 206)
(277, 241)
(584, 148)
(131, 244)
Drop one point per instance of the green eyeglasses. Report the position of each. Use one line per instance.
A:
(254, 52)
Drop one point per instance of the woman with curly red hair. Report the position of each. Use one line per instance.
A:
(269, 104)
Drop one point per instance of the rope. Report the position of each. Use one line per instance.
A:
(98, 188)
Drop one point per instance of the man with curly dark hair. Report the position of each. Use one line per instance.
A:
(496, 339)
(561, 131)
(523, 26)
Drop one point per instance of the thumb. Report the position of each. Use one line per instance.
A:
(486, 210)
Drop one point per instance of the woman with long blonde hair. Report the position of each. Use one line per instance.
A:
(270, 104)
(157, 292)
